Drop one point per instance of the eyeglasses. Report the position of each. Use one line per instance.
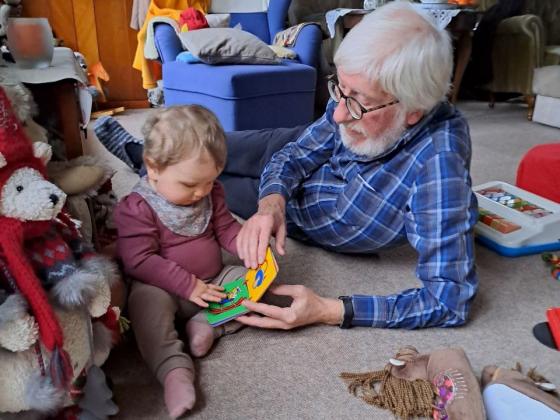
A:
(355, 109)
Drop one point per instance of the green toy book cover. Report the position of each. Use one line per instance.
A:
(230, 307)
(252, 286)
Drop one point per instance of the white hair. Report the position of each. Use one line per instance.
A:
(404, 51)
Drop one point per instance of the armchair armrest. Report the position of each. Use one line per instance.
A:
(528, 27)
(308, 45)
(167, 42)
(517, 50)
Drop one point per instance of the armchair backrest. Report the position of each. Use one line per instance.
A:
(484, 5)
(263, 18)
(315, 10)
(549, 12)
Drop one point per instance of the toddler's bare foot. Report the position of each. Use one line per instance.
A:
(201, 337)
(179, 392)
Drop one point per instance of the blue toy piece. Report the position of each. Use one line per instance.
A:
(554, 261)
(259, 277)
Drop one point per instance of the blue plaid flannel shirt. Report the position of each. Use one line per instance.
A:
(419, 190)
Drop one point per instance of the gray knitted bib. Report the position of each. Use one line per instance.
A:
(183, 220)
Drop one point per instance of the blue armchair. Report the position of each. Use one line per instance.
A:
(246, 96)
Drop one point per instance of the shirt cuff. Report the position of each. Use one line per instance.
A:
(275, 188)
(369, 311)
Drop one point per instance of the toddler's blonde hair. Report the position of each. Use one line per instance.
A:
(174, 133)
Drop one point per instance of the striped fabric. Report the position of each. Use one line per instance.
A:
(419, 190)
(115, 138)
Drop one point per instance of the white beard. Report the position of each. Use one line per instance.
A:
(372, 146)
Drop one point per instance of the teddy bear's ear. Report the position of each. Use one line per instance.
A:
(2, 161)
(42, 151)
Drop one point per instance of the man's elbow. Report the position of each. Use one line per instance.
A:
(455, 318)
(448, 317)
(458, 321)
(454, 312)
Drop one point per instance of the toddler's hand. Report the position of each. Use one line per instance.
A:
(206, 292)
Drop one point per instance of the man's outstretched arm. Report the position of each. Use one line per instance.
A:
(439, 226)
(439, 223)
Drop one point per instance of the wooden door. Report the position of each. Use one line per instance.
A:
(99, 29)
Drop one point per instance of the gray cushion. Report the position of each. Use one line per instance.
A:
(227, 45)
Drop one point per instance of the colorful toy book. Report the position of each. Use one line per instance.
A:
(515, 222)
(251, 287)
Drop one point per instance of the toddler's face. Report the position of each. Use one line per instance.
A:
(187, 181)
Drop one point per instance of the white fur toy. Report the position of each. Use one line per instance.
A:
(51, 282)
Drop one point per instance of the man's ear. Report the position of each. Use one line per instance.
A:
(413, 117)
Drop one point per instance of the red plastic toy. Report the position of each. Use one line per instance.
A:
(553, 317)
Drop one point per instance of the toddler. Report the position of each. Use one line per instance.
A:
(171, 229)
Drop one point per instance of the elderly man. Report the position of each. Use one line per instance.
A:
(387, 162)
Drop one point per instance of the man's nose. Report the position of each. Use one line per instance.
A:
(341, 114)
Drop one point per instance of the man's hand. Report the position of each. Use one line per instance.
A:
(307, 308)
(206, 292)
(254, 236)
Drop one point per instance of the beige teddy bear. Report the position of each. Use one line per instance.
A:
(51, 282)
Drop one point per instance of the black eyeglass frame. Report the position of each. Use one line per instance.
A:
(332, 83)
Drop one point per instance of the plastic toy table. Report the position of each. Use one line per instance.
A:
(515, 222)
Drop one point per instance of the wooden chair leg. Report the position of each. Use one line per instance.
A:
(491, 100)
(530, 99)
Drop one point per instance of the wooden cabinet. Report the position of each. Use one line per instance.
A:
(99, 29)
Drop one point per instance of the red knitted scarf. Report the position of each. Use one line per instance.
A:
(13, 233)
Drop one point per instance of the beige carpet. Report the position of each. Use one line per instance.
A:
(258, 374)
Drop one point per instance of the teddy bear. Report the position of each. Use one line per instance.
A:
(53, 286)
(80, 178)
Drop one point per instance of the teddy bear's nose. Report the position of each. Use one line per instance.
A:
(54, 199)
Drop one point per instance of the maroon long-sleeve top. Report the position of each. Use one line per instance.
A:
(155, 255)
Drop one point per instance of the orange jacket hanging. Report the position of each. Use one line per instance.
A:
(151, 70)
